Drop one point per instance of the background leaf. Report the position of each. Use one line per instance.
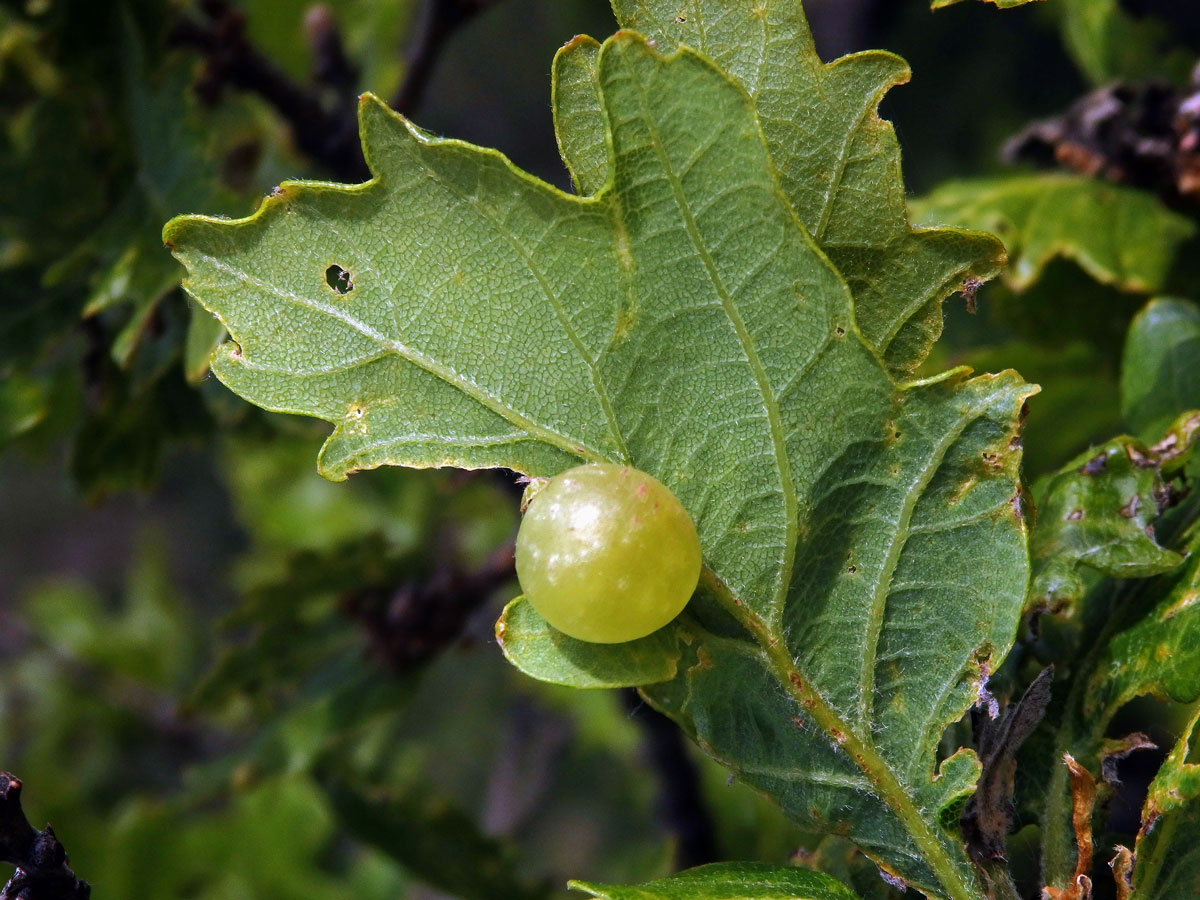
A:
(1166, 859)
(1160, 368)
(1144, 642)
(1108, 43)
(1120, 236)
(438, 843)
(727, 881)
(1098, 512)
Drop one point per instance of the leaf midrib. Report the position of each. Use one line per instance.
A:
(841, 162)
(863, 754)
(746, 340)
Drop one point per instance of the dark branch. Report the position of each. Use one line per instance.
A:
(42, 870)
(410, 624)
(331, 67)
(322, 119)
(1144, 135)
(680, 800)
(440, 19)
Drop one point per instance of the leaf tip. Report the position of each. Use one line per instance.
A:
(580, 42)
(173, 230)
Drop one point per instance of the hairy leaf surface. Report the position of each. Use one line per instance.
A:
(454, 311)
(838, 162)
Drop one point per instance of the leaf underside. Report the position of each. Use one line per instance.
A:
(836, 159)
(455, 311)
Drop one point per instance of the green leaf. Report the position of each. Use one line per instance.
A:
(1160, 655)
(1108, 43)
(1098, 512)
(1160, 369)
(296, 629)
(1120, 236)
(728, 881)
(541, 652)
(146, 640)
(1167, 856)
(453, 311)
(173, 173)
(578, 116)
(1149, 644)
(120, 444)
(871, 615)
(1078, 404)
(837, 161)
(23, 404)
(204, 334)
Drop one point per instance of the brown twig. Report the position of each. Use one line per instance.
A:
(680, 798)
(42, 869)
(988, 816)
(440, 19)
(408, 625)
(322, 119)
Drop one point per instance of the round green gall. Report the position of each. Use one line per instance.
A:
(607, 554)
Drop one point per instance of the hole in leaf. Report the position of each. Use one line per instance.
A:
(339, 279)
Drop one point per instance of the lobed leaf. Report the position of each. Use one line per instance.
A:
(837, 161)
(1078, 400)
(454, 311)
(727, 881)
(1120, 236)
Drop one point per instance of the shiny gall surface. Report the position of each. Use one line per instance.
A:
(607, 554)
